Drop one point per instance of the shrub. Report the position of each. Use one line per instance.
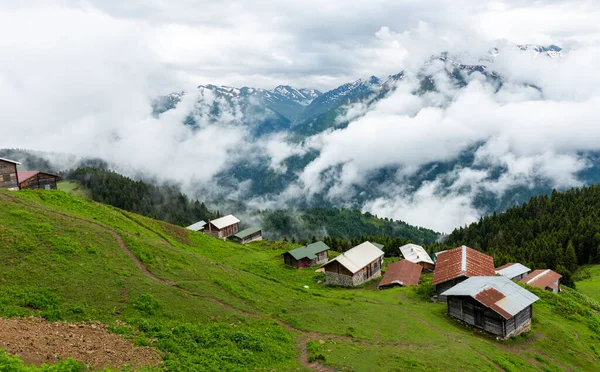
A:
(146, 303)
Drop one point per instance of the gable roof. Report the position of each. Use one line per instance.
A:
(380, 246)
(358, 257)
(310, 251)
(24, 176)
(402, 272)
(541, 278)
(10, 161)
(246, 232)
(197, 226)
(510, 270)
(498, 293)
(223, 222)
(415, 253)
(462, 261)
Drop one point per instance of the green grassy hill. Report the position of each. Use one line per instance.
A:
(214, 305)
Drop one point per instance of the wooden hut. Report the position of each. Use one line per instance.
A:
(402, 273)
(310, 255)
(513, 271)
(545, 279)
(355, 266)
(458, 264)
(494, 304)
(8, 174)
(248, 235)
(223, 227)
(417, 254)
(37, 180)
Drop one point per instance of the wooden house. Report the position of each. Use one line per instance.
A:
(310, 255)
(513, 271)
(248, 235)
(223, 227)
(198, 226)
(37, 180)
(355, 266)
(456, 265)
(417, 254)
(494, 304)
(402, 273)
(8, 174)
(545, 279)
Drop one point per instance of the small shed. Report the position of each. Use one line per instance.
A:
(544, 279)
(37, 180)
(310, 255)
(355, 266)
(223, 227)
(8, 174)
(513, 271)
(401, 273)
(248, 235)
(198, 226)
(417, 254)
(494, 304)
(456, 265)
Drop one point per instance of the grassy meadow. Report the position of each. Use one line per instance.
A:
(211, 305)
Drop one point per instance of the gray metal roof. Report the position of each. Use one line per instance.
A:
(247, 232)
(415, 253)
(512, 299)
(310, 251)
(513, 270)
(198, 226)
(223, 222)
(11, 161)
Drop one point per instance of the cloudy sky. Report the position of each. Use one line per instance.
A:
(78, 76)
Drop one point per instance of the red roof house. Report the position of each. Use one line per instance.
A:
(544, 279)
(37, 180)
(401, 273)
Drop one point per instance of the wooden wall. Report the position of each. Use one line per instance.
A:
(8, 175)
(39, 181)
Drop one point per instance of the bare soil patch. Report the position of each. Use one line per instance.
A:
(38, 341)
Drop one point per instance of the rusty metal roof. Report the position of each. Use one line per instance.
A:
(497, 293)
(462, 261)
(541, 278)
(415, 253)
(403, 273)
(511, 270)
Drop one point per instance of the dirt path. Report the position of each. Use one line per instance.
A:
(37, 341)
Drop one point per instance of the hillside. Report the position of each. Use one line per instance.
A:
(560, 232)
(206, 304)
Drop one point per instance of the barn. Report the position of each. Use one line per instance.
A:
(417, 254)
(355, 266)
(456, 265)
(402, 273)
(223, 227)
(544, 279)
(494, 304)
(310, 255)
(513, 271)
(248, 235)
(8, 174)
(198, 226)
(37, 180)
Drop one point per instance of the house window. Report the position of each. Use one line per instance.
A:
(6, 177)
(47, 187)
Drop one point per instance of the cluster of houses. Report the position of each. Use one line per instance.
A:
(476, 292)
(12, 179)
(228, 227)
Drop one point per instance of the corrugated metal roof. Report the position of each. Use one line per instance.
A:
(402, 272)
(198, 226)
(415, 253)
(541, 278)
(498, 293)
(358, 257)
(11, 161)
(462, 261)
(223, 222)
(310, 251)
(246, 232)
(512, 270)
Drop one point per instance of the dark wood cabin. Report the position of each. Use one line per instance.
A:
(8, 174)
(248, 235)
(37, 180)
(310, 255)
(223, 227)
(493, 304)
(355, 266)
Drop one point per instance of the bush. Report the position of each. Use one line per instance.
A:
(146, 303)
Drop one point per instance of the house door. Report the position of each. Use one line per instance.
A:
(479, 318)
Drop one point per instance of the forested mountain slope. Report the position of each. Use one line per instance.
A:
(211, 305)
(560, 231)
